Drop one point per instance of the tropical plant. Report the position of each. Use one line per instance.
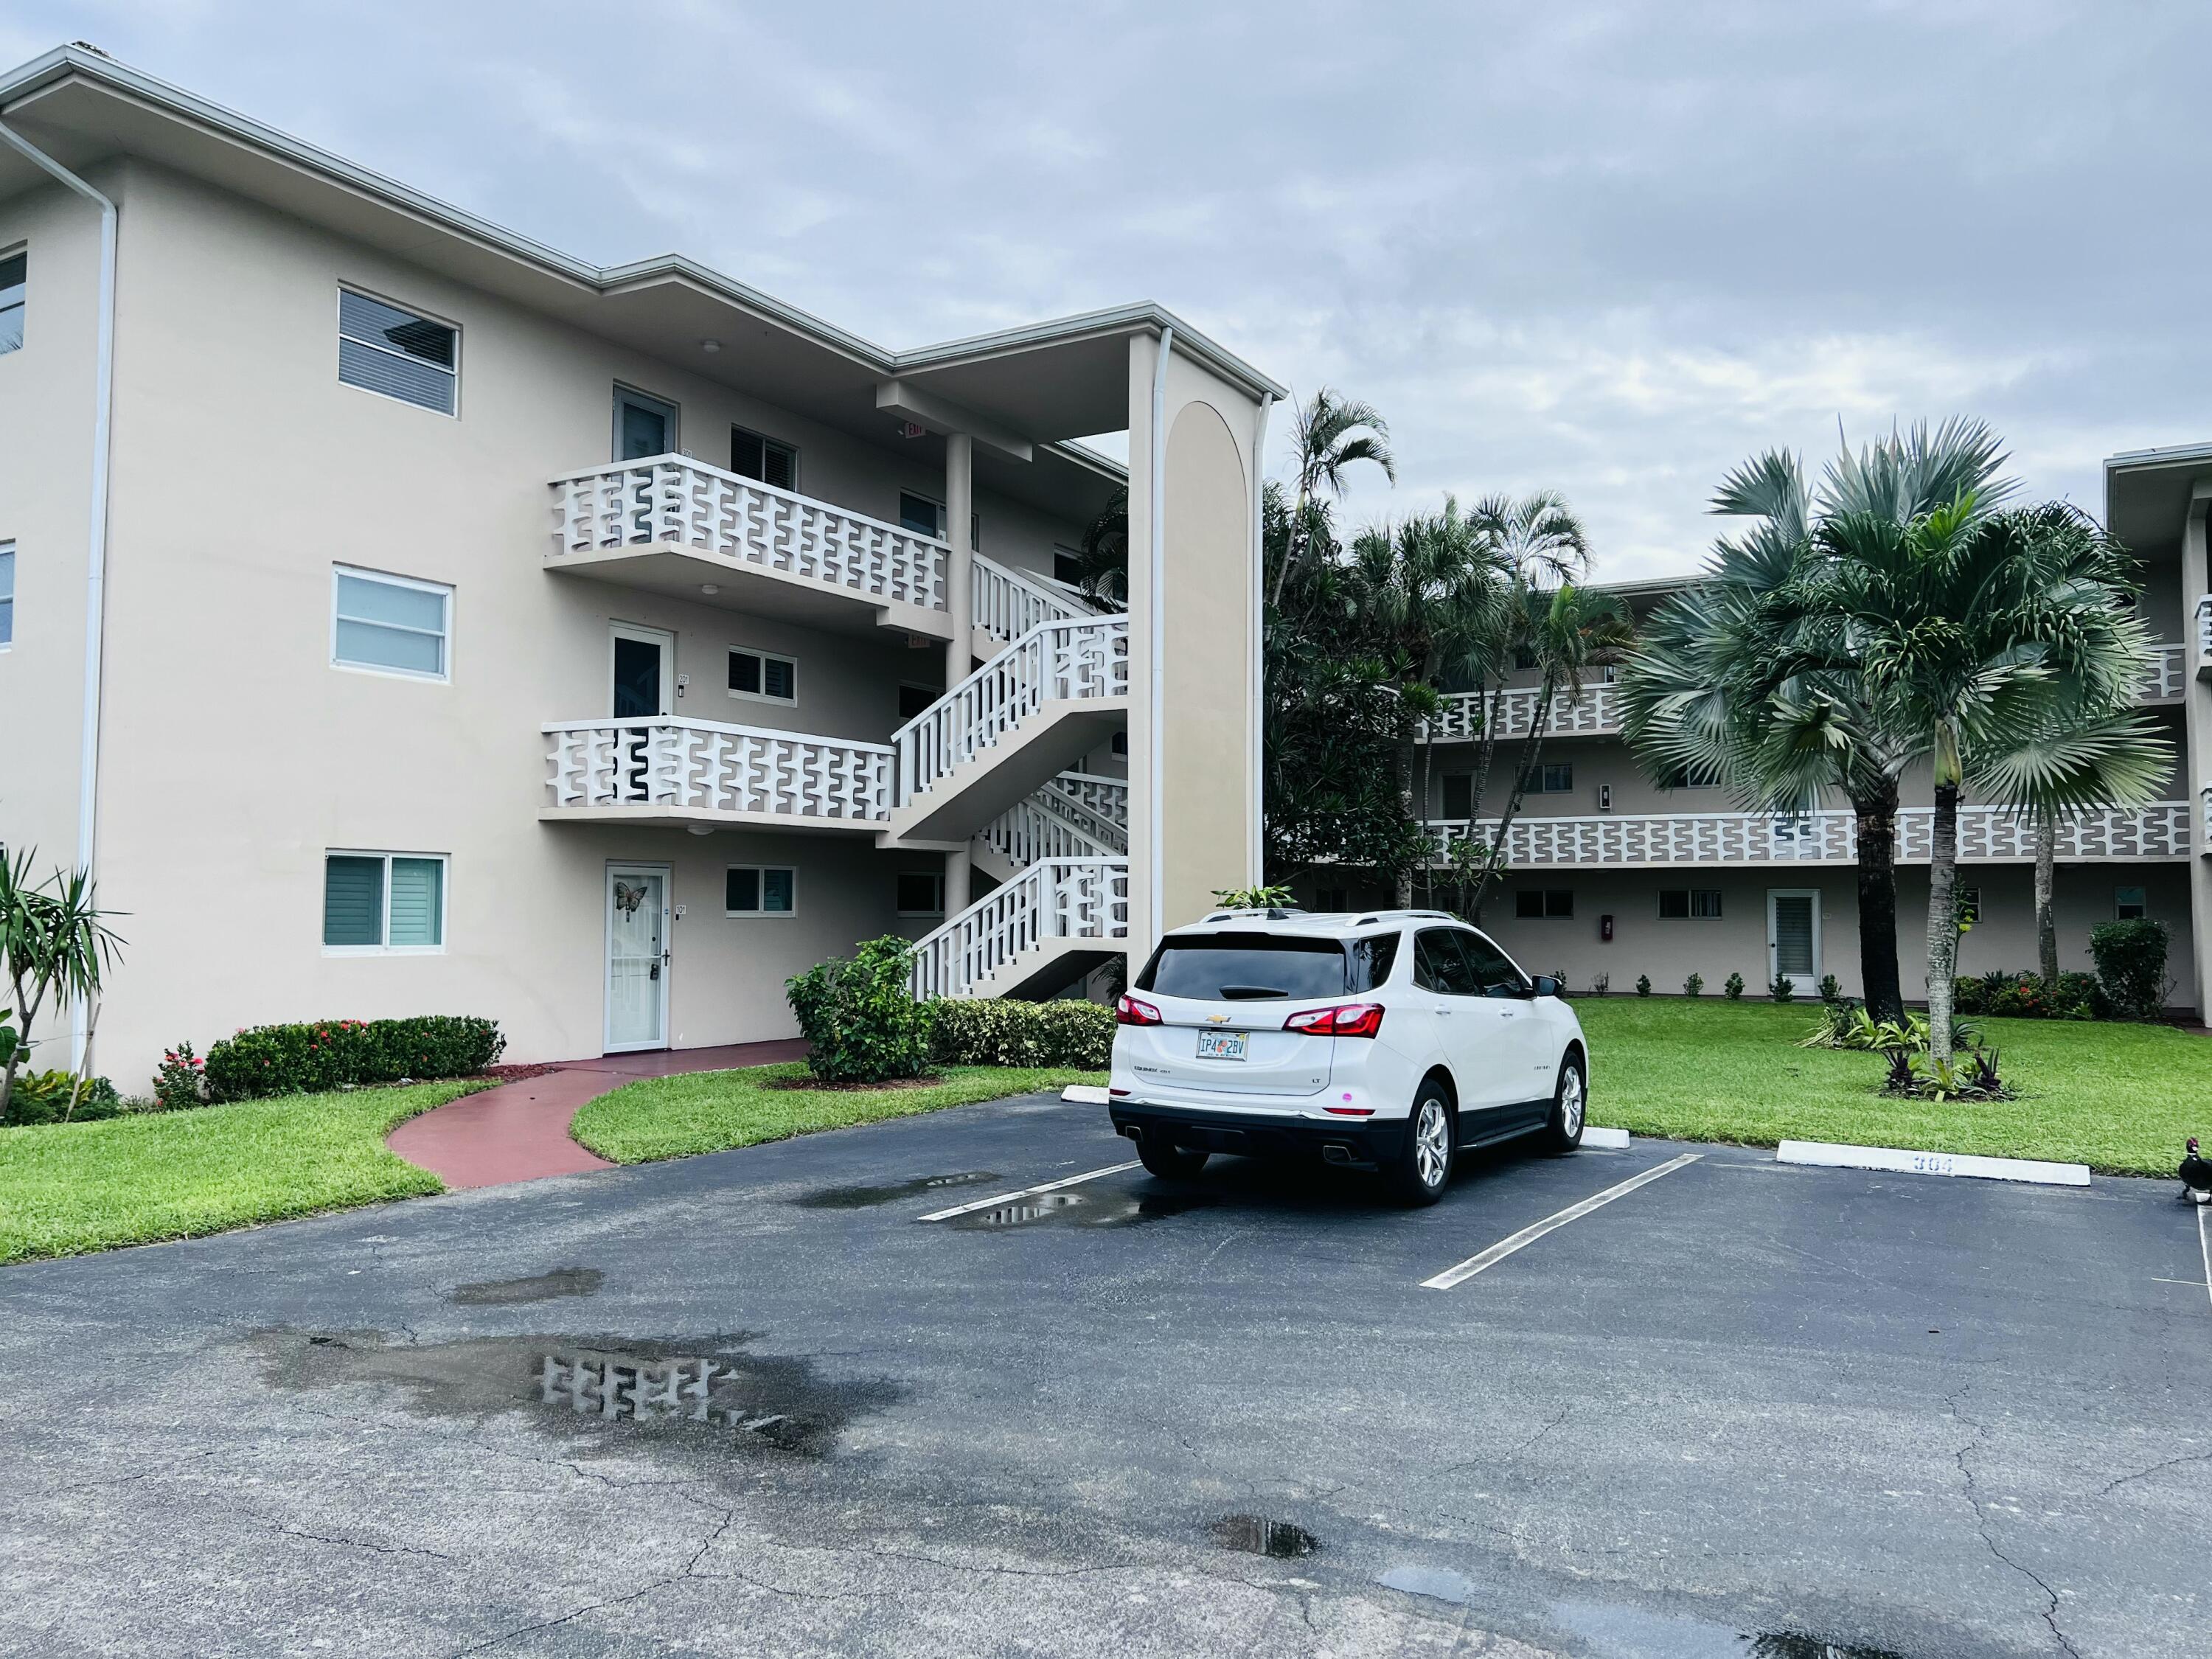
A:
(860, 1016)
(1332, 435)
(1972, 1075)
(1732, 679)
(1600, 984)
(56, 949)
(1101, 558)
(1997, 648)
(2130, 959)
(1694, 985)
(1253, 898)
(1784, 989)
(1732, 988)
(1644, 985)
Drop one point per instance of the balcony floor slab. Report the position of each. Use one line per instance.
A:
(678, 572)
(649, 816)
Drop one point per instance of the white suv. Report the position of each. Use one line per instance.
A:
(1387, 1040)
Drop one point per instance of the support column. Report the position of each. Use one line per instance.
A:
(960, 565)
(958, 869)
(2196, 743)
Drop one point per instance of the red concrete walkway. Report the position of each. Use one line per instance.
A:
(519, 1131)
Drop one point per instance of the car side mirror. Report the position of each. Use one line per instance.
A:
(1544, 985)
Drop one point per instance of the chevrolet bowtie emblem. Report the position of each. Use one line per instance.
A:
(1216, 1020)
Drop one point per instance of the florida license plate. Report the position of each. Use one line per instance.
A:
(1222, 1045)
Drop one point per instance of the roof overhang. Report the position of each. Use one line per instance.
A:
(1035, 386)
(2148, 493)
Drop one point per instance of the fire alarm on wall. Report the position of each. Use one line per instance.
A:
(1605, 928)
(1605, 798)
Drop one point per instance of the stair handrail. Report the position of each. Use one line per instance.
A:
(969, 947)
(1038, 666)
(1056, 606)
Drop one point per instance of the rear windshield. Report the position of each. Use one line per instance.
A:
(1260, 967)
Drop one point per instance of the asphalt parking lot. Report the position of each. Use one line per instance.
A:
(751, 1403)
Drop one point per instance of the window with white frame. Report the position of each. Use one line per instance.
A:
(390, 624)
(1554, 778)
(772, 462)
(763, 676)
(921, 893)
(13, 271)
(760, 890)
(7, 594)
(383, 903)
(399, 353)
(2130, 904)
(1685, 904)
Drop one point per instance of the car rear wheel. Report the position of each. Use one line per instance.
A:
(1168, 1161)
(1424, 1166)
(1570, 1102)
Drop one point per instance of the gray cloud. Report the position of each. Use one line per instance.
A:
(1609, 248)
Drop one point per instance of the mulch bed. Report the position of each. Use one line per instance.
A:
(852, 1088)
(516, 1073)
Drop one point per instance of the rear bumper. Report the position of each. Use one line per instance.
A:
(1358, 1143)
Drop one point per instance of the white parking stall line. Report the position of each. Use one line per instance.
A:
(1028, 1191)
(1527, 1235)
(2204, 1244)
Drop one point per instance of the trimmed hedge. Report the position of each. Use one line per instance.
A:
(861, 1023)
(1003, 1032)
(327, 1054)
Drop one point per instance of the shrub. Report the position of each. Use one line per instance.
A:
(2131, 966)
(1600, 984)
(180, 1080)
(1832, 989)
(1003, 1032)
(328, 1054)
(1254, 898)
(1732, 988)
(1785, 988)
(2025, 996)
(1644, 985)
(859, 1016)
(44, 1097)
(1694, 985)
(1560, 974)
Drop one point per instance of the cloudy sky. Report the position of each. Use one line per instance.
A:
(1606, 248)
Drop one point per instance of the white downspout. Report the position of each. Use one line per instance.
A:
(1255, 856)
(95, 577)
(1156, 630)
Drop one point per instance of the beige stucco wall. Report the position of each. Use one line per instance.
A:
(46, 404)
(235, 755)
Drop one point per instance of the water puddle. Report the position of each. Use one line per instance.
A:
(1256, 1534)
(698, 1392)
(1633, 1633)
(544, 1287)
(1437, 1583)
(1082, 1210)
(1794, 1645)
(862, 1198)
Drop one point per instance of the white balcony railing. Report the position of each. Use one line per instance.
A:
(2204, 628)
(1597, 712)
(1085, 898)
(1987, 834)
(1105, 800)
(2163, 676)
(1039, 827)
(1008, 604)
(697, 765)
(675, 498)
(1078, 659)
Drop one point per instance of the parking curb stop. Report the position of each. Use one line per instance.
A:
(1083, 1094)
(1612, 1140)
(1898, 1161)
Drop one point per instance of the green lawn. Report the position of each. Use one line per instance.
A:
(65, 1189)
(2120, 1098)
(710, 1111)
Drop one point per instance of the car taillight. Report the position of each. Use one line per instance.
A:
(1345, 1019)
(1129, 1010)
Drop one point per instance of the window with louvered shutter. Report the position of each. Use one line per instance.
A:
(398, 353)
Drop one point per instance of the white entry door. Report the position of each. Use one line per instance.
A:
(637, 957)
(1793, 935)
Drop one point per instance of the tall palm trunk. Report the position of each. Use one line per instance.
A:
(1531, 754)
(1943, 921)
(1402, 880)
(2047, 917)
(1875, 823)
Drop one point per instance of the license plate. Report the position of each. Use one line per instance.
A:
(1222, 1045)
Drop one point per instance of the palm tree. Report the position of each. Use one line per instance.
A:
(1732, 679)
(1569, 630)
(1101, 559)
(2000, 649)
(1332, 435)
(55, 944)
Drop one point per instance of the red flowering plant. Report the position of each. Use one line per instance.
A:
(330, 1054)
(180, 1079)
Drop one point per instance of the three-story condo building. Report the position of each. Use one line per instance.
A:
(1614, 875)
(398, 615)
